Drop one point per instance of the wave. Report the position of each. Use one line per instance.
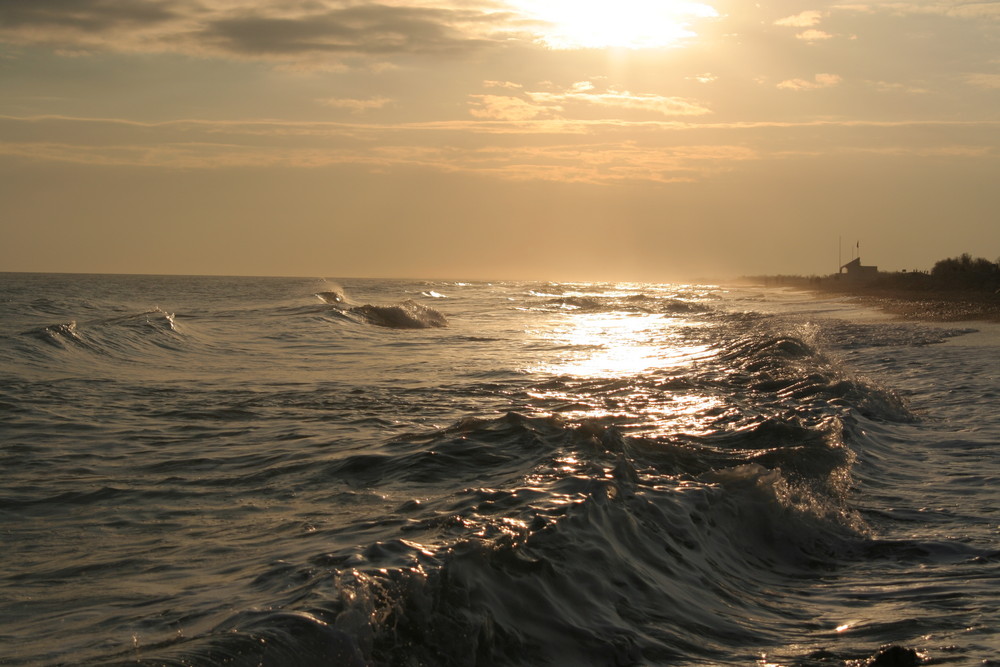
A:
(533, 539)
(794, 370)
(557, 543)
(408, 314)
(700, 512)
(114, 336)
(633, 303)
(331, 296)
(853, 335)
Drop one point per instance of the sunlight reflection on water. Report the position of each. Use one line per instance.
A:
(631, 349)
(615, 345)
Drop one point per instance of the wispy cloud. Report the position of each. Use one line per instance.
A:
(583, 94)
(952, 8)
(356, 105)
(607, 164)
(989, 10)
(597, 152)
(707, 77)
(505, 107)
(552, 151)
(623, 99)
(890, 87)
(510, 85)
(819, 81)
(947, 151)
(984, 81)
(813, 35)
(805, 19)
(808, 19)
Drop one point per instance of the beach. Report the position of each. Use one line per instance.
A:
(908, 301)
(928, 306)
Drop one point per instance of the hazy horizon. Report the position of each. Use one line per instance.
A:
(703, 279)
(490, 140)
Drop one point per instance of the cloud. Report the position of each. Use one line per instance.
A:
(354, 105)
(952, 8)
(358, 29)
(609, 164)
(598, 164)
(803, 20)
(818, 82)
(984, 81)
(266, 29)
(502, 84)
(623, 99)
(84, 15)
(888, 87)
(456, 148)
(948, 151)
(582, 94)
(989, 10)
(596, 152)
(813, 35)
(71, 26)
(504, 107)
(707, 77)
(807, 19)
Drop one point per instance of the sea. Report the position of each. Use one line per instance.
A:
(316, 472)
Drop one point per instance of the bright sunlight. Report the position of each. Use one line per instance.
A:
(627, 24)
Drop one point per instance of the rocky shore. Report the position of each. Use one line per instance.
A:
(935, 305)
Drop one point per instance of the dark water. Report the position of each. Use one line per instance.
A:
(202, 471)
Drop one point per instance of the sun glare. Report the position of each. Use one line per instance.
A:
(626, 24)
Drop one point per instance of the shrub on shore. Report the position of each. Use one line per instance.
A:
(964, 272)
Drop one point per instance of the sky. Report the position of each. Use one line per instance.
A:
(483, 139)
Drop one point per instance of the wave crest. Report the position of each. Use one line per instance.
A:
(408, 314)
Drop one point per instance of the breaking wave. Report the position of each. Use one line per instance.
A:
(408, 314)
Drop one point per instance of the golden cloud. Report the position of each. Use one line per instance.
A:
(805, 19)
(818, 82)
(600, 152)
(554, 104)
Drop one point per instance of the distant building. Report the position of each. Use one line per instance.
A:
(854, 270)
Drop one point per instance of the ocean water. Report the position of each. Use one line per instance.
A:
(277, 471)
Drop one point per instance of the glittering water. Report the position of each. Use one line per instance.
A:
(305, 472)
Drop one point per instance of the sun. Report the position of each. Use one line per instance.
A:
(626, 24)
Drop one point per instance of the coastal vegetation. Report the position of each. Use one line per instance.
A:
(954, 274)
(964, 272)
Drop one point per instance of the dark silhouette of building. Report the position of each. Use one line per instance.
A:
(855, 271)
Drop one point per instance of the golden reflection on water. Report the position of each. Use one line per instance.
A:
(641, 351)
(615, 345)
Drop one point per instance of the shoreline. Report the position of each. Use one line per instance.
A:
(924, 303)
(928, 306)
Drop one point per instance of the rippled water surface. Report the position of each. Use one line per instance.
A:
(276, 471)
